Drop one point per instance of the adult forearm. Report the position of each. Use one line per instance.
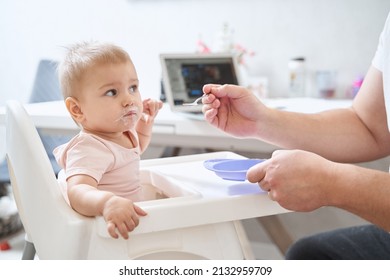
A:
(338, 135)
(362, 191)
(359, 133)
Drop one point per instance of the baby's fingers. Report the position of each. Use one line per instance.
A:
(111, 228)
(139, 210)
(124, 229)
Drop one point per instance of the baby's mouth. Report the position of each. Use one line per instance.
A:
(130, 113)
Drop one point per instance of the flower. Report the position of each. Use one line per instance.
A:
(241, 52)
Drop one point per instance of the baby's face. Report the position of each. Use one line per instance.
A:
(109, 98)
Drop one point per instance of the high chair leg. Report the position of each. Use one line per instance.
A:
(28, 251)
(245, 244)
(277, 232)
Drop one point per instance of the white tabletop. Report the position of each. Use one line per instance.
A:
(175, 129)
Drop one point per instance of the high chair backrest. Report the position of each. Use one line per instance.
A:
(56, 230)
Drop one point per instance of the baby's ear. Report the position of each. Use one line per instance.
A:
(74, 108)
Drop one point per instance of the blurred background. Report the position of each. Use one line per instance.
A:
(337, 37)
(329, 34)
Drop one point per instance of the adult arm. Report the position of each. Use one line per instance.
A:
(304, 181)
(353, 134)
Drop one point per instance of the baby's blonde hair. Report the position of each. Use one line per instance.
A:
(81, 57)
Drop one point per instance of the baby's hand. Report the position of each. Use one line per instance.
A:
(151, 108)
(121, 214)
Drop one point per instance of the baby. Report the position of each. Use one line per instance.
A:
(101, 164)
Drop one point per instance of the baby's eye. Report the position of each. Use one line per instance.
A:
(111, 92)
(133, 89)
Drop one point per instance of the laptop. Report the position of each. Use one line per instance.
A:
(183, 77)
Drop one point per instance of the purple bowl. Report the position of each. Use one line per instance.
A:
(231, 169)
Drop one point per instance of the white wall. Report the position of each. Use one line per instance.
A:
(331, 34)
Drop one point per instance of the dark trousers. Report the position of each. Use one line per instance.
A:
(366, 242)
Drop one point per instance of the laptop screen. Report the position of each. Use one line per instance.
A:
(185, 74)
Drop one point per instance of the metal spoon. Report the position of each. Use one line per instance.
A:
(195, 101)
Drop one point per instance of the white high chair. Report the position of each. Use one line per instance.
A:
(183, 221)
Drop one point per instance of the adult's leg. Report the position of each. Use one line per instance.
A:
(366, 242)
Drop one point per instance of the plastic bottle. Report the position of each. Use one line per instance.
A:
(296, 68)
(224, 39)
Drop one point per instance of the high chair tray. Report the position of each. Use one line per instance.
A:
(196, 195)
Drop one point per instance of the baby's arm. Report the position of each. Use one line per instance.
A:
(145, 124)
(119, 213)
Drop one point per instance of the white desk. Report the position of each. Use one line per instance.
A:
(174, 129)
